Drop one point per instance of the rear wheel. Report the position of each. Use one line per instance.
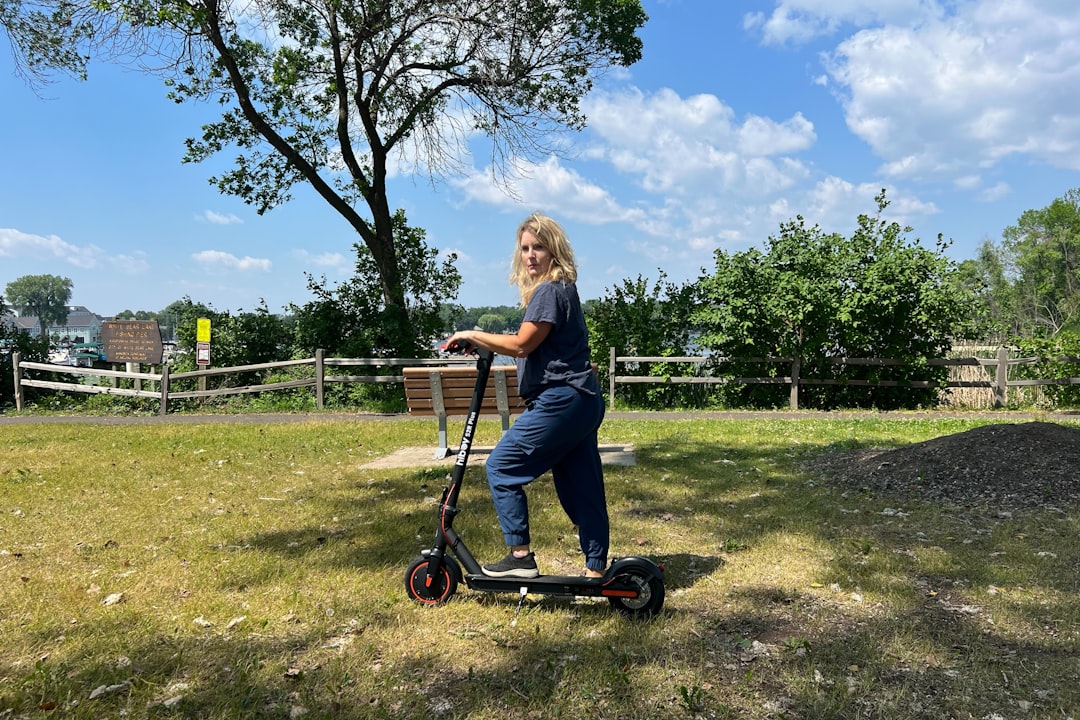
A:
(432, 590)
(650, 594)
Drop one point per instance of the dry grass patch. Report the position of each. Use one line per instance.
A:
(255, 571)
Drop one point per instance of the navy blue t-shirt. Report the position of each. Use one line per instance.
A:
(563, 357)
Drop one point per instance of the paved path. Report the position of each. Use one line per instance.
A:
(998, 415)
(425, 457)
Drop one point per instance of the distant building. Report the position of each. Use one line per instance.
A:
(81, 326)
(26, 324)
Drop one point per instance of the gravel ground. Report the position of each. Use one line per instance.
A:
(1000, 469)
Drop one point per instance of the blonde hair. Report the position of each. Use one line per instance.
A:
(553, 238)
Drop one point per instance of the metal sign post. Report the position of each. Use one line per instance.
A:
(202, 345)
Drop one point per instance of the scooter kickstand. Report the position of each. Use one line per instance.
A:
(521, 600)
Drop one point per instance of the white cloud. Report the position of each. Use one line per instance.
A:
(216, 258)
(332, 260)
(761, 136)
(798, 21)
(705, 176)
(968, 182)
(688, 177)
(993, 194)
(835, 204)
(704, 179)
(17, 244)
(136, 263)
(951, 96)
(215, 218)
(548, 184)
(677, 145)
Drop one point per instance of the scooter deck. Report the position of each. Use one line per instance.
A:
(575, 585)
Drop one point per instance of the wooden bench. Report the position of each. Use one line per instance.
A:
(445, 391)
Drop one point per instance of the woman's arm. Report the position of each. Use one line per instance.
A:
(528, 338)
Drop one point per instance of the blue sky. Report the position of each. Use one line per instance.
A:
(740, 116)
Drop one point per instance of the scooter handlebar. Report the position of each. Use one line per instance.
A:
(460, 347)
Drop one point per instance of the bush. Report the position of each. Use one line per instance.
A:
(819, 297)
(14, 341)
(1049, 351)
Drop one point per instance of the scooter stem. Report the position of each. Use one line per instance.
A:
(446, 535)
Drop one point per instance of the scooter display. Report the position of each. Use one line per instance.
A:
(633, 586)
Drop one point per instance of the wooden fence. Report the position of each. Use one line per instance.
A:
(999, 383)
(157, 385)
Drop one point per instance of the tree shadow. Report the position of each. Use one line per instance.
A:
(788, 645)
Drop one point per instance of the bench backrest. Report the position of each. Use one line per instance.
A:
(456, 385)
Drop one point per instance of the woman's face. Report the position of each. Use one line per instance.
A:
(535, 257)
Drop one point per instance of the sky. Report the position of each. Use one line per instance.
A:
(741, 115)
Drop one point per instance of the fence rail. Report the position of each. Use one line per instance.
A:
(998, 383)
(318, 380)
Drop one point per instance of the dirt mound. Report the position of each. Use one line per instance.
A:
(1001, 468)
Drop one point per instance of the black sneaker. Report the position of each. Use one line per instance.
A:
(510, 566)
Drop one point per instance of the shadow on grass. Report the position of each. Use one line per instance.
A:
(772, 649)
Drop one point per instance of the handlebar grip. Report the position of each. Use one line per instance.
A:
(460, 347)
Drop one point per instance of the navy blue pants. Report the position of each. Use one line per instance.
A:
(557, 433)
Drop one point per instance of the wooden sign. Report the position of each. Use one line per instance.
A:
(134, 341)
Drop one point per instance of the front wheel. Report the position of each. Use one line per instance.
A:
(650, 594)
(432, 590)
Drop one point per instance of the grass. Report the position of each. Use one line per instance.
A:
(227, 570)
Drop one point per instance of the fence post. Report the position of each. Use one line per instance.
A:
(16, 358)
(164, 388)
(1001, 381)
(796, 368)
(319, 374)
(611, 378)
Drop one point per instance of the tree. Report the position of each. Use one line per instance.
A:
(334, 94)
(14, 340)
(986, 276)
(340, 95)
(349, 320)
(469, 318)
(251, 338)
(184, 315)
(247, 338)
(818, 297)
(491, 322)
(50, 37)
(647, 321)
(137, 315)
(1042, 253)
(1029, 283)
(45, 296)
(44, 37)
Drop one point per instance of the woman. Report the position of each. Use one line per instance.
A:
(564, 408)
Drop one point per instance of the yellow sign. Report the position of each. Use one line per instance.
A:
(202, 330)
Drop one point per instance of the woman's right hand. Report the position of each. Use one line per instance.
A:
(460, 343)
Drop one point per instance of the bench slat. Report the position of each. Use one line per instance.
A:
(443, 391)
(457, 384)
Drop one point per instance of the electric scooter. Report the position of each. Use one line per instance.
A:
(633, 585)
